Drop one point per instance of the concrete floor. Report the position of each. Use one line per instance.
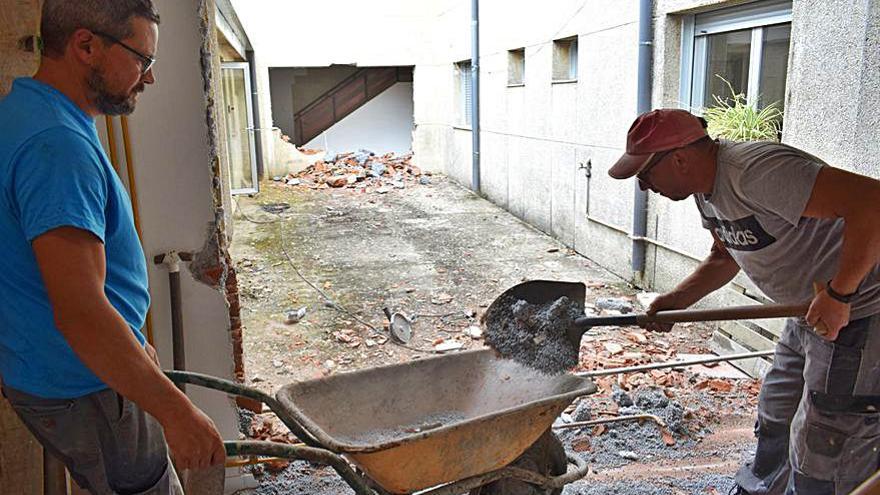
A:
(425, 250)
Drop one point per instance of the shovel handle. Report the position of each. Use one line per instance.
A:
(749, 312)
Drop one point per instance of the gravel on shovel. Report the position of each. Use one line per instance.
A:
(535, 334)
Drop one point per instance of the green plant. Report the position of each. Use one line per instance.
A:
(733, 118)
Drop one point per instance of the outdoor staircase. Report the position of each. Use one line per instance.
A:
(344, 98)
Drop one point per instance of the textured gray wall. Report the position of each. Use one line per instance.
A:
(833, 106)
(535, 137)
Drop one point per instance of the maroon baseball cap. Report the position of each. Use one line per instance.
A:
(653, 132)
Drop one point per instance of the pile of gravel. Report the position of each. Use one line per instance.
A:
(629, 441)
(300, 478)
(383, 435)
(662, 486)
(535, 335)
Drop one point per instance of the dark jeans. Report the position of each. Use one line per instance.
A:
(109, 445)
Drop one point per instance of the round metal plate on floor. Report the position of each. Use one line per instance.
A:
(400, 327)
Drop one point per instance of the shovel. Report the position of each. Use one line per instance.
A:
(546, 291)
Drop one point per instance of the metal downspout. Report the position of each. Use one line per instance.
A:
(475, 97)
(255, 98)
(640, 203)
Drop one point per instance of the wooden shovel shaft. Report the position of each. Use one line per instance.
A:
(750, 312)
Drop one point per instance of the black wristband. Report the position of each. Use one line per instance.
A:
(837, 296)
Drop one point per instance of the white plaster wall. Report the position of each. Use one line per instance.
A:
(266, 124)
(281, 99)
(174, 180)
(384, 124)
(312, 34)
(535, 137)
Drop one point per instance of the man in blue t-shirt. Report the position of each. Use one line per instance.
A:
(73, 297)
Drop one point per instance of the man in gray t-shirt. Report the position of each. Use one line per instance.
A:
(787, 220)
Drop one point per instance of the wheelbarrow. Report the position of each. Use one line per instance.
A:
(446, 424)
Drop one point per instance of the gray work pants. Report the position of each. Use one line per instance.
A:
(818, 423)
(108, 444)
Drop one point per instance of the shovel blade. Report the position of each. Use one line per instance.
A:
(537, 292)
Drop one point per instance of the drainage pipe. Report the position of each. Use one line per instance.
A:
(255, 105)
(640, 198)
(172, 261)
(475, 96)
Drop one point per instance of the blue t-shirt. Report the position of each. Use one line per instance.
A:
(54, 173)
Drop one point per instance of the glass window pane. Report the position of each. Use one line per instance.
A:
(239, 139)
(728, 57)
(774, 65)
(465, 92)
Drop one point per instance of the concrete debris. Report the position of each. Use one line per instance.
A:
(441, 299)
(378, 169)
(583, 411)
(363, 171)
(448, 345)
(651, 398)
(296, 315)
(613, 348)
(646, 298)
(628, 455)
(474, 332)
(624, 306)
(620, 396)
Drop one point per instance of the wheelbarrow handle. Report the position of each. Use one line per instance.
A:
(233, 388)
(748, 312)
(220, 384)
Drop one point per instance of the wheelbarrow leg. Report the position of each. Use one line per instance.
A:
(319, 456)
(525, 481)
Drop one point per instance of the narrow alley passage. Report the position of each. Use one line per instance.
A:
(317, 267)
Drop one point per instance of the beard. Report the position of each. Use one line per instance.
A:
(108, 102)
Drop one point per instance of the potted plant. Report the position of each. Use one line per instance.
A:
(734, 119)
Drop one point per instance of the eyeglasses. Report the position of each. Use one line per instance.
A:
(146, 62)
(655, 160)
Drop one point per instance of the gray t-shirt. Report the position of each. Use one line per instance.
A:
(761, 190)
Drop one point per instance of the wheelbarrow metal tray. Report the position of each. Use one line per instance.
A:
(431, 421)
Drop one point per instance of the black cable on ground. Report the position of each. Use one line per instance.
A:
(332, 303)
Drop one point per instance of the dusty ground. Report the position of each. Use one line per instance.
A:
(433, 250)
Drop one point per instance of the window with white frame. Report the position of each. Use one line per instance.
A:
(745, 46)
(565, 60)
(516, 67)
(464, 92)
